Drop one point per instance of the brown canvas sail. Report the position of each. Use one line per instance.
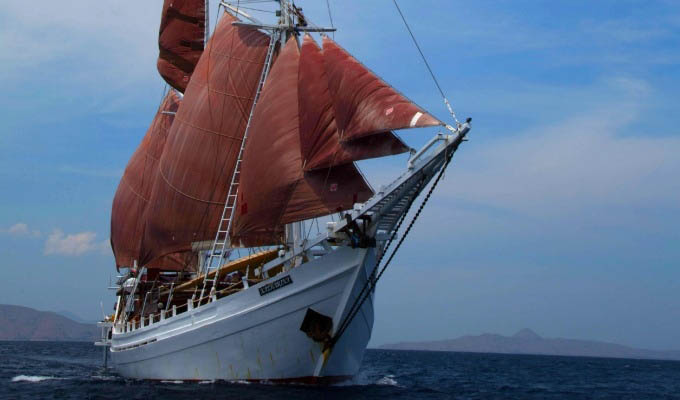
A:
(134, 189)
(181, 40)
(274, 188)
(322, 143)
(364, 104)
(202, 147)
(319, 111)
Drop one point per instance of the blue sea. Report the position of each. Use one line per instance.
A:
(50, 370)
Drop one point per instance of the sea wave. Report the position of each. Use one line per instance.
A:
(105, 377)
(387, 380)
(32, 378)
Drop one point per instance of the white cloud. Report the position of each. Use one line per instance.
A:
(75, 50)
(595, 181)
(582, 162)
(602, 164)
(74, 244)
(21, 229)
(18, 229)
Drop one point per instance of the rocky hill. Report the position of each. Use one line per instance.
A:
(23, 323)
(527, 341)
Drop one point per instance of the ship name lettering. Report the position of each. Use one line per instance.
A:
(277, 284)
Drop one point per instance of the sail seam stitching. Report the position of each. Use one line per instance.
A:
(230, 94)
(207, 130)
(133, 190)
(225, 55)
(160, 171)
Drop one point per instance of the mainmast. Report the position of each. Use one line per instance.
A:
(293, 236)
(287, 26)
(292, 20)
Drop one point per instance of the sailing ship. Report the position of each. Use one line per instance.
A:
(222, 275)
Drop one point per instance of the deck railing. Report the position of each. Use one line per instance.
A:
(153, 318)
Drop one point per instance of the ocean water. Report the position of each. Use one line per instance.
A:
(50, 370)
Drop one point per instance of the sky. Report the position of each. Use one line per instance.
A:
(560, 214)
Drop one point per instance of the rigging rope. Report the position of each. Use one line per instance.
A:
(434, 78)
(328, 5)
(373, 279)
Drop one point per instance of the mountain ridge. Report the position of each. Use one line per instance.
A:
(527, 341)
(25, 323)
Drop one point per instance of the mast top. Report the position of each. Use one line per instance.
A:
(291, 19)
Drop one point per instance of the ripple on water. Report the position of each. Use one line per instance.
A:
(25, 373)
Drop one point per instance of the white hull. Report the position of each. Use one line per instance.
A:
(257, 337)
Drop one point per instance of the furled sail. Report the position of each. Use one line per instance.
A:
(134, 189)
(318, 112)
(202, 147)
(181, 40)
(274, 189)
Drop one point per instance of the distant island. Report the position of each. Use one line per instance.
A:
(23, 323)
(527, 341)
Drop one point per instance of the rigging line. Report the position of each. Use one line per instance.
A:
(422, 55)
(258, 9)
(328, 5)
(311, 225)
(358, 301)
(206, 33)
(163, 93)
(372, 281)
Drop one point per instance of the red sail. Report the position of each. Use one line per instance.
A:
(181, 40)
(363, 103)
(322, 144)
(274, 189)
(132, 195)
(203, 144)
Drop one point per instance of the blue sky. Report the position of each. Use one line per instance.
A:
(560, 214)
